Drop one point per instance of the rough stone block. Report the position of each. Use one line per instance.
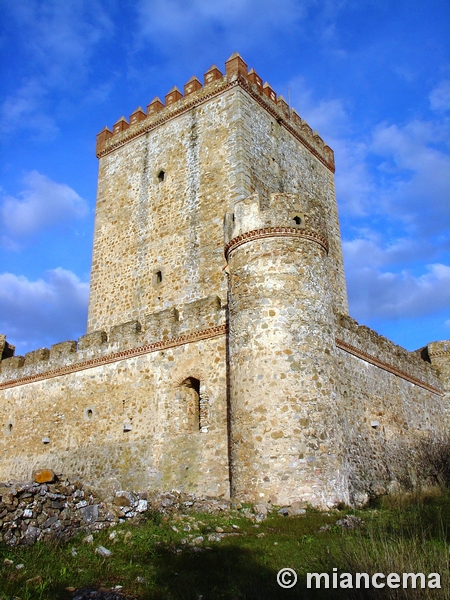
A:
(6, 350)
(44, 476)
(125, 334)
(161, 326)
(124, 498)
(201, 314)
(9, 366)
(36, 357)
(89, 513)
(63, 351)
(92, 340)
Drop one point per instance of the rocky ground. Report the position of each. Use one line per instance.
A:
(54, 506)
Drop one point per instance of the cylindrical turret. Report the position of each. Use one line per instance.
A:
(283, 416)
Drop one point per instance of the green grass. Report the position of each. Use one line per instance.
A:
(407, 533)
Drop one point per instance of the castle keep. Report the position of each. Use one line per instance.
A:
(219, 356)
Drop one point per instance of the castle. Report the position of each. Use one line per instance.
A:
(219, 357)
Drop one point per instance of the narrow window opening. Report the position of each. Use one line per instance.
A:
(191, 411)
(89, 413)
(158, 277)
(161, 176)
(297, 220)
(10, 427)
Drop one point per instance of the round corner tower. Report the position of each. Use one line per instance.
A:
(283, 415)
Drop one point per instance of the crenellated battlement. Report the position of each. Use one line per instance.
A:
(166, 328)
(175, 103)
(285, 215)
(368, 344)
(6, 349)
(262, 398)
(439, 354)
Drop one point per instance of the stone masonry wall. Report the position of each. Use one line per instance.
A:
(279, 394)
(144, 226)
(284, 426)
(439, 355)
(388, 400)
(273, 161)
(126, 412)
(167, 179)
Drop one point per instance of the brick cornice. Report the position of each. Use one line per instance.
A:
(205, 334)
(220, 87)
(271, 108)
(183, 107)
(385, 366)
(266, 232)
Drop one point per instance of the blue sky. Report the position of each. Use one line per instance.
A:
(372, 76)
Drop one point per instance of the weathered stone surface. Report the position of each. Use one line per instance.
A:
(212, 339)
(89, 513)
(102, 551)
(44, 476)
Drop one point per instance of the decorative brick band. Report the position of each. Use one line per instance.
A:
(144, 128)
(267, 232)
(205, 334)
(385, 366)
(225, 85)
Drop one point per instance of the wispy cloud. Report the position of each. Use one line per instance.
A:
(393, 181)
(414, 174)
(24, 108)
(51, 309)
(440, 96)
(180, 25)
(42, 204)
(60, 36)
(375, 294)
(57, 41)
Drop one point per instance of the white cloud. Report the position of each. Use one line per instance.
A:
(374, 293)
(400, 171)
(440, 96)
(414, 175)
(60, 36)
(49, 310)
(355, 185)
(43, 203)
(24, 109)
(395, 179)
(175, 25)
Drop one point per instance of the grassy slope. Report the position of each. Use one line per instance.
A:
(149, 560)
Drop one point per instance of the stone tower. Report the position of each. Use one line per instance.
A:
(166, 179)
(219, 358)
(283, 410)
